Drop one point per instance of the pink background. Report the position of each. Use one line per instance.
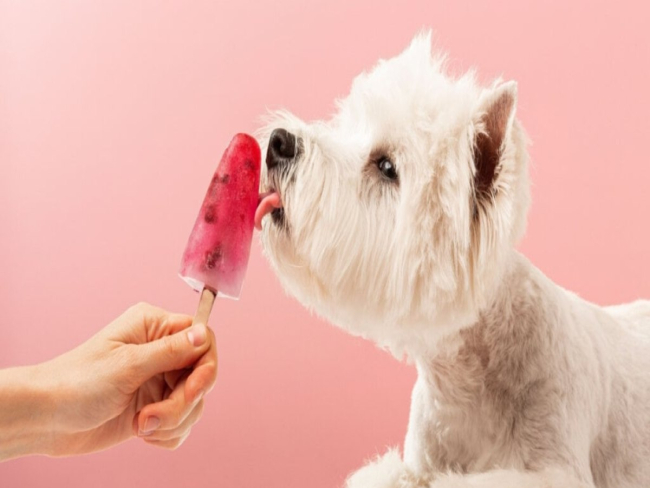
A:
(113, 116)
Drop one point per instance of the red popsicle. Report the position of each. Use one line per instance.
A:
(216, 255)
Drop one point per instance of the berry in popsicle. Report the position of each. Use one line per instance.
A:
(216, 255)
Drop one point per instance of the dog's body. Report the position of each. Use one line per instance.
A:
(543, 379)
(397, 221)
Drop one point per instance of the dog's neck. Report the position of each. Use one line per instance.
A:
(476, 388)
(497, 354)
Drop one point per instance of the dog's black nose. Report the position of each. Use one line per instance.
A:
(282, 148)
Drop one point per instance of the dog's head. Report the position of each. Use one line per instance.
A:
(396, 214)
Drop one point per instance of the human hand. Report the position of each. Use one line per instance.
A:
(145, 375)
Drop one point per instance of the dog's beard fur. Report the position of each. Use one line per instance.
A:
(400, 263)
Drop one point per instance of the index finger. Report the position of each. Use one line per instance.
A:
(144, 323)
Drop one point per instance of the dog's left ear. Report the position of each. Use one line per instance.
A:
(493, 128)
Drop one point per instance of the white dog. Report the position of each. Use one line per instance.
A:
(397, 221)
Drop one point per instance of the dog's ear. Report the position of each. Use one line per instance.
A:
(493, 127)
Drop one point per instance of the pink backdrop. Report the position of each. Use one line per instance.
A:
(113, 116)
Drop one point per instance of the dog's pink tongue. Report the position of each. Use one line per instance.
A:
(267, 203)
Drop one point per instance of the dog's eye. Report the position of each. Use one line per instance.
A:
(387, 168)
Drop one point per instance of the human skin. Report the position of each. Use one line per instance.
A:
(144, 375)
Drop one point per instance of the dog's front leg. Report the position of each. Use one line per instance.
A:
(550, 478)
(387, 471)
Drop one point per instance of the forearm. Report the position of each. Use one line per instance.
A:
(26, 409)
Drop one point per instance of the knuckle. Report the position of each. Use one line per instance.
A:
(175, 420)
(140, 307)
(176, 443)
(199, 411)
(213, 374)
(172, 348)
(184, 437)
(212, 380)
(170, 446)
(139, 310)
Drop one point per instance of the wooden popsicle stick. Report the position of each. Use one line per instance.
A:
(205, 307)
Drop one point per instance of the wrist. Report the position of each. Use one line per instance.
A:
(27, 410)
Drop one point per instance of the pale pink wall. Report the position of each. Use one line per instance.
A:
(113, 116)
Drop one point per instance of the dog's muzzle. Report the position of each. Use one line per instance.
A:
(283, 150)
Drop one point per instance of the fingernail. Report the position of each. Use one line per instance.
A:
(197, 335)
(151, 424)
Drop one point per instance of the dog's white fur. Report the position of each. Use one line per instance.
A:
(520, 382)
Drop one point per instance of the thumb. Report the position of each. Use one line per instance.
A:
(176, 351)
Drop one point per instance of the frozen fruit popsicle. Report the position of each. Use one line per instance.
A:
(216, 255)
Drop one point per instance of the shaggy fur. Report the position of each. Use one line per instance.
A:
(520, 382)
